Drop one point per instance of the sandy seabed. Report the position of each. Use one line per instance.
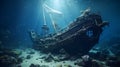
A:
(36, 58)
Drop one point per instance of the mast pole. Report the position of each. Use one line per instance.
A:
(53, 23)
(44, 27)
(44, 16)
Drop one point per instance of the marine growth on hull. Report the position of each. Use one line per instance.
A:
(84, 31)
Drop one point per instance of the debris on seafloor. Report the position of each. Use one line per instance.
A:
(28, 56)
(35, 65)
(49, 58)
(87, 61)
(104, 57)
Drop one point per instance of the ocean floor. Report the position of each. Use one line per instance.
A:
(38, 58)
(33, 58)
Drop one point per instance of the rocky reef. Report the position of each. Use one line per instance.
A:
(10, 57)
(33, 58)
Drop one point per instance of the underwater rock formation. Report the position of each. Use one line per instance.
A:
(106, 56)
(87, 61)
(33, 65)
(49, 57)
(28, 56)
(10, 57)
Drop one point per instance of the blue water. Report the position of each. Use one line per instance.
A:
(17, 17)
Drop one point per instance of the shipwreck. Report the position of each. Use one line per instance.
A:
(78, 38)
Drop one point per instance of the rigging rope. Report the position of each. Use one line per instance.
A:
(44, 16)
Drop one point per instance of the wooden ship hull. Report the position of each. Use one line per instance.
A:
(78, 38)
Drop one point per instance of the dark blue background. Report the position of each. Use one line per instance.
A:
(19, 16)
